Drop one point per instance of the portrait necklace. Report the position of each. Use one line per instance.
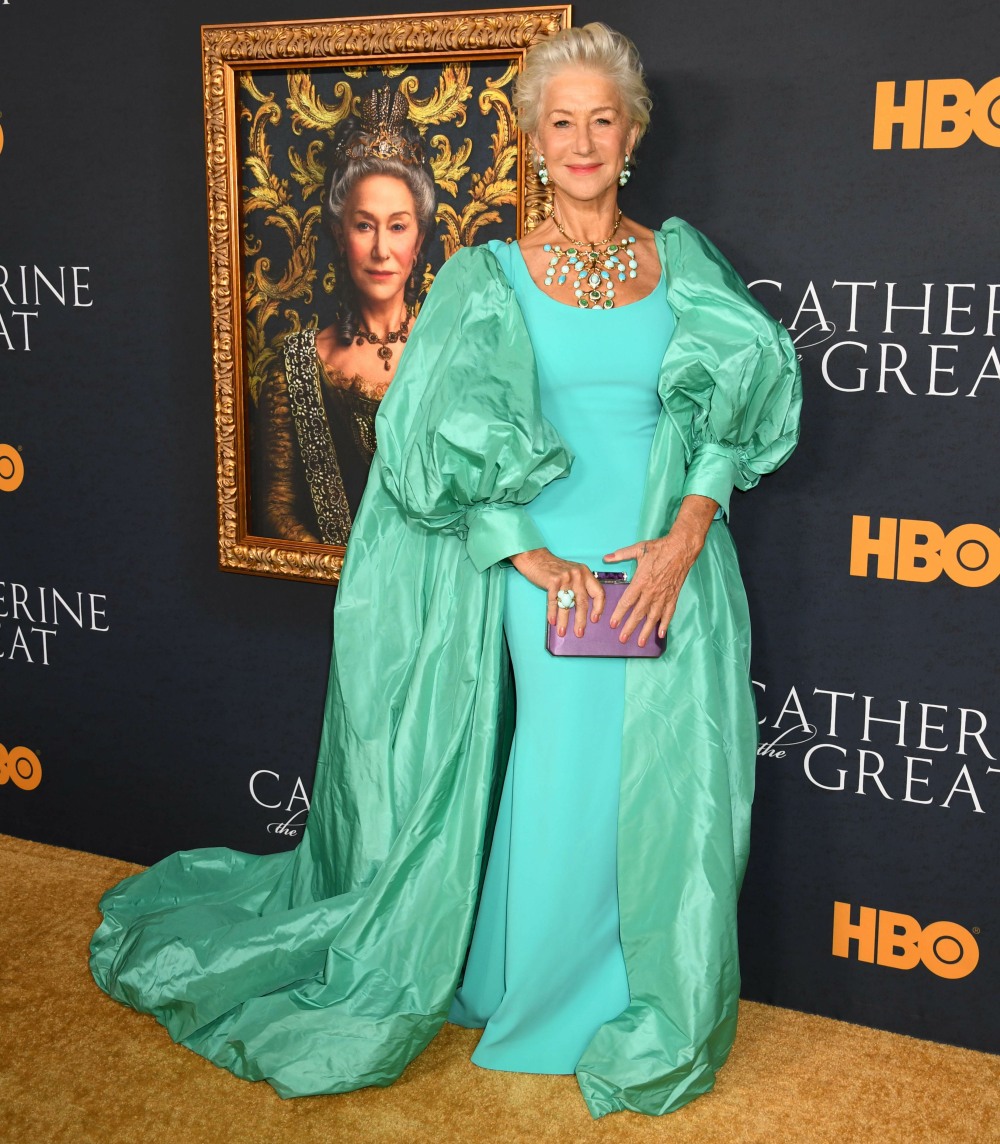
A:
(384, 344)
(596, 265)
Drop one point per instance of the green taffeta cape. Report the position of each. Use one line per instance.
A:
(330, 967)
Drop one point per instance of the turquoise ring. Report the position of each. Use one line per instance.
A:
(565, 598)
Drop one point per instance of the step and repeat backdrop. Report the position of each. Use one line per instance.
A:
(846, 160)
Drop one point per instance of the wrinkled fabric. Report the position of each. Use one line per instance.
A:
(329, 968)
(545, 967)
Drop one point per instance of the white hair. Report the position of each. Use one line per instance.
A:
(596, 47)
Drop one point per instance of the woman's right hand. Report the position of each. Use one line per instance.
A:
(554, 574)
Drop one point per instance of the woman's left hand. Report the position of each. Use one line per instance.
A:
(662, 566)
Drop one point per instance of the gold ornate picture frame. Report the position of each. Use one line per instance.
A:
(275, 95)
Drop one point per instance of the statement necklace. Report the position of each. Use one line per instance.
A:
(596, 264)
(384, 344)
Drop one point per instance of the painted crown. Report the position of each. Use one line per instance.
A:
(380, 132)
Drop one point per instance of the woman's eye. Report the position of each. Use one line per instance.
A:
(561, 123)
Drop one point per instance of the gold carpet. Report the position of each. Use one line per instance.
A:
(76, 1067)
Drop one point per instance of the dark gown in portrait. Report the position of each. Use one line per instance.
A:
(315, 448)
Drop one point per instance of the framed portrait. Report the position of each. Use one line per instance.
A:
(347, 159)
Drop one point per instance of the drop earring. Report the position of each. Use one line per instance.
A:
(626, 172)
(543, 171)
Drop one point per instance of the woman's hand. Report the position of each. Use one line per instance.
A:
(554, 574)
(662, 566)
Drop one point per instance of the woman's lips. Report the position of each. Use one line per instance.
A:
(579, 169)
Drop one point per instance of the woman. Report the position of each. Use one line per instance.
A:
(605, 938)
(318, 409)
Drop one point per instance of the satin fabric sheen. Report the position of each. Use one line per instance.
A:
(329, 968)
(545, 968)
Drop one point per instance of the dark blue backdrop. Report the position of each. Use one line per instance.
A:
(149, 733)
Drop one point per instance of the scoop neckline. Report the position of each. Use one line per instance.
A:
(589, 309)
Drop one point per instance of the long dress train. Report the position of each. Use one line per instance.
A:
(331, 967)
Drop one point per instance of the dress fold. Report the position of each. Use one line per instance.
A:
(329, 968)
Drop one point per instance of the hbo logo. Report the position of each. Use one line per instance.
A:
(11, 469)
(20, 766)
(938, 113)
(921, 550)
(900, 942)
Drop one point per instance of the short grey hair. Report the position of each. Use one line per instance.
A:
(596, 47)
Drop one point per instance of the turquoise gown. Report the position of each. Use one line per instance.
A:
(330, 967)
(546, 968)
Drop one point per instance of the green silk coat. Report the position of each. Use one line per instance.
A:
(329, 968)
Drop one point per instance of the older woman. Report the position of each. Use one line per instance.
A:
(318, 408)
(616, 826)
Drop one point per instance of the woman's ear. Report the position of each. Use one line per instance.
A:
(633, 139)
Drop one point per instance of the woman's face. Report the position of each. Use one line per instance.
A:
(583, 132)
(381, 236)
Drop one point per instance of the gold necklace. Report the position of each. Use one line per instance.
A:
(602, 242)
(596, 264)
(384, 344)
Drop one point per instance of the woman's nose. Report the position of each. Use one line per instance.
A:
(584, 144)
(380, 247)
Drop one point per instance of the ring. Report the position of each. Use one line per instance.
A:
(565, 598)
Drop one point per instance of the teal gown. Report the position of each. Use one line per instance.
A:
(546, 968)
(331, 967)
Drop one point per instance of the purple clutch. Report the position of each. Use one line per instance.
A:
(601, 639)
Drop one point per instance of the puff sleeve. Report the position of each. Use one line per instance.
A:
(462, 444)
(731, 377)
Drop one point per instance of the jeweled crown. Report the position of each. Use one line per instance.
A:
(379, 131)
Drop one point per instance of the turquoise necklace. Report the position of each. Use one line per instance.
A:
(596, 264)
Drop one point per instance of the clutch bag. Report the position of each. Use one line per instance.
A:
(600, 639)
